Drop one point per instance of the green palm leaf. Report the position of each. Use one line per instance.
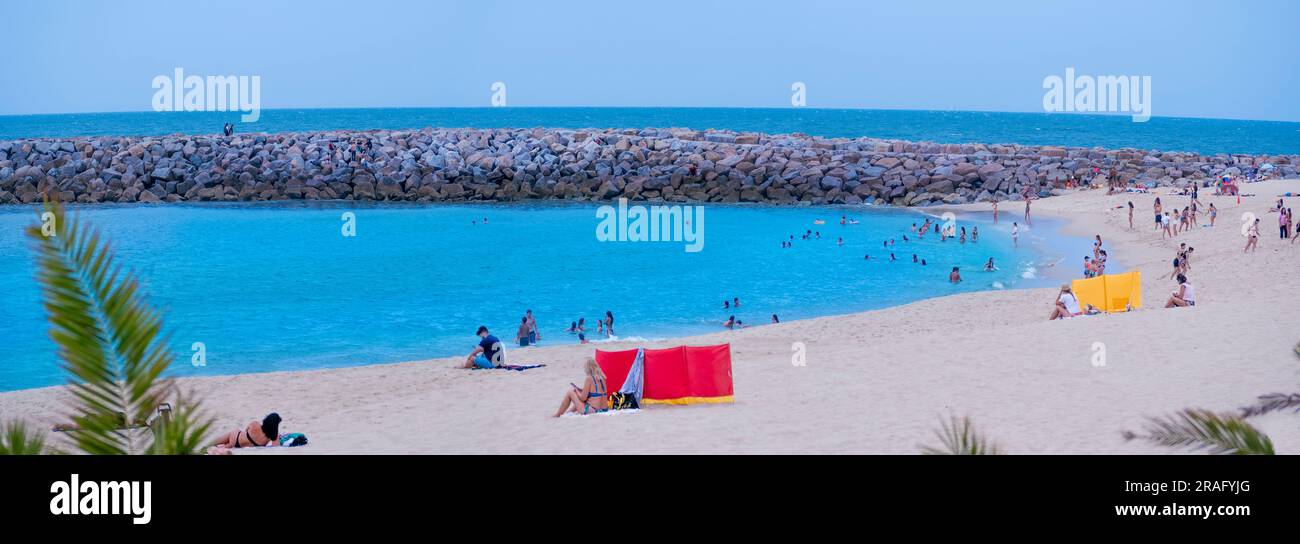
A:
(184, 432)
(959, 437)
(108, 338)
(1198, 429)
(15, 439)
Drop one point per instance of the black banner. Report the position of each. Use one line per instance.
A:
(244, 496)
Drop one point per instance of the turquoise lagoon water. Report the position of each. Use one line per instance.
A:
(277, 287)
(1207, 136)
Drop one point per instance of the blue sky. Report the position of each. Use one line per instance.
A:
(1225, 59)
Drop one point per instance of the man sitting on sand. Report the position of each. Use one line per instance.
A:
(488, 354)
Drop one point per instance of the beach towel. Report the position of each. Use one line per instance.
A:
(635, 383)
(518, 368)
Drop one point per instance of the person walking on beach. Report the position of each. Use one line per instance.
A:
(488, 354)
(1252, 237)
(1130, 215)
(1281, 224)
(1214, 212)
(1028, 199)
(1159, 214)
(995, 211)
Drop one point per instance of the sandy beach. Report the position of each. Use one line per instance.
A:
(875, 382)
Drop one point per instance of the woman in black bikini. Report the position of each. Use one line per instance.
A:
(253, 435)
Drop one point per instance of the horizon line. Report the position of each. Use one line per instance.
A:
(319, 108)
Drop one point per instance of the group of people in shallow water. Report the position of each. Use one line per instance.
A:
(604, 326)
(731, 321)
(928, 226)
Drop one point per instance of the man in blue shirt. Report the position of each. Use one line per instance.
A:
(489, 353)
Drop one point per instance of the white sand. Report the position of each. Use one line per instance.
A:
(875, 382)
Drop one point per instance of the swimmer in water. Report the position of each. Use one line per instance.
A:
(988, 267)
(955, 275)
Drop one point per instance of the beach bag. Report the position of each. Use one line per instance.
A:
(292, 440)
(623, 401)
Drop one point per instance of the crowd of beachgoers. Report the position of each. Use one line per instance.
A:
(1176, 213)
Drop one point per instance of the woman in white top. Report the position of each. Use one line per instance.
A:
(1066, 304)
(1184, 296)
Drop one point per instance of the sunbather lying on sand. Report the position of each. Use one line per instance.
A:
(252, 435)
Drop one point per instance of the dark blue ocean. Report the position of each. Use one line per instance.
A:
(1207, 136)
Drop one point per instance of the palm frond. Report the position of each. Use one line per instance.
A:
(959, 437)
(109, 340)
(15, 439)
(182, 432)
(1198, 429)
(1271, 403)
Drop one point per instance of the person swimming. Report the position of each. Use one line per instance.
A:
(955, 276)
(988, 267)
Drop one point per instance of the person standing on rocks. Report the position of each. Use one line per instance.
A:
(228, 129)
